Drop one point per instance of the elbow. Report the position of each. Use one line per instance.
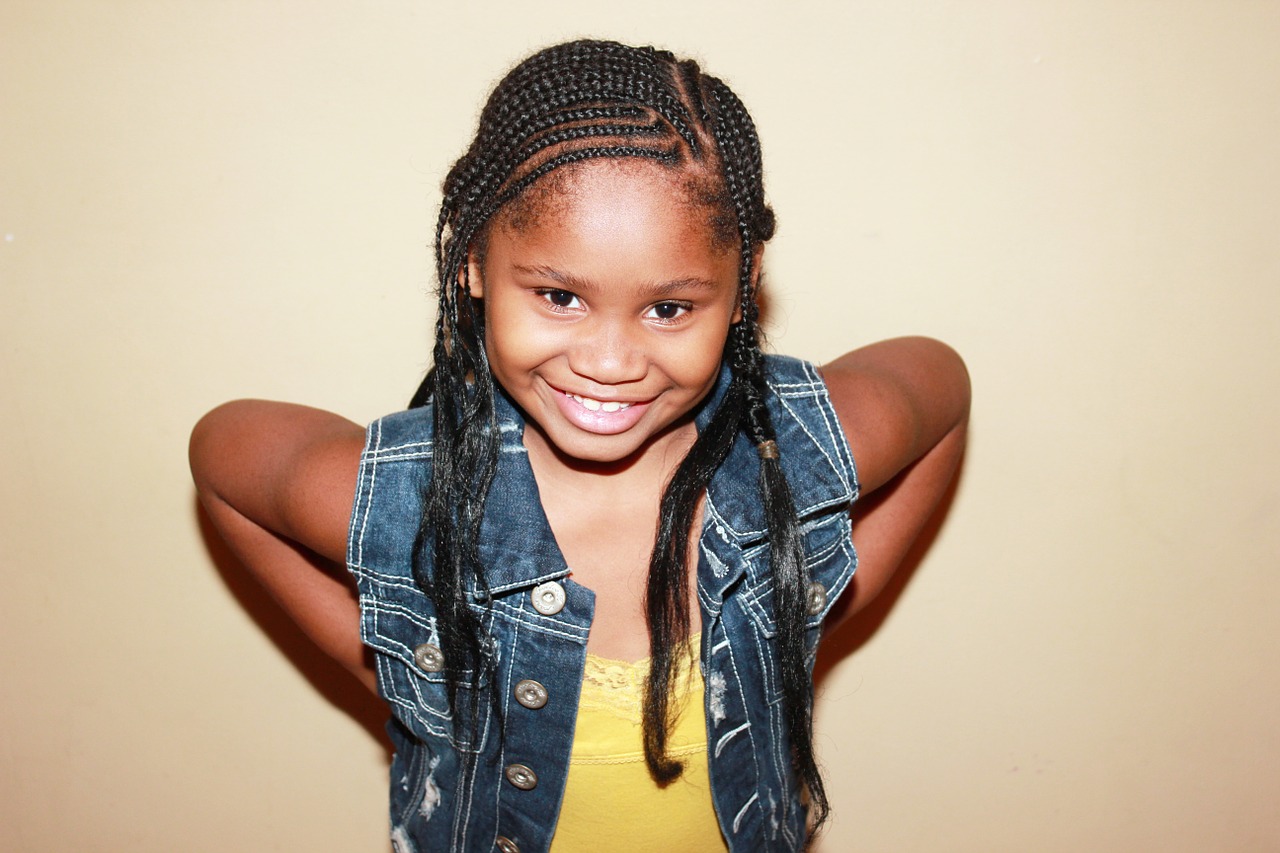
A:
(199, 447)
(210, 442)
(944, 389)
(951, 381)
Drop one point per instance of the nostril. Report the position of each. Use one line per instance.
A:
(608, 360)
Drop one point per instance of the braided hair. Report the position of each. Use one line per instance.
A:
(570, 104)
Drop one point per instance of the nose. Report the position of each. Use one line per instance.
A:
(608, 352)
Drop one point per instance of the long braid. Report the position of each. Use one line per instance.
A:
(735, 131)
(563, 106)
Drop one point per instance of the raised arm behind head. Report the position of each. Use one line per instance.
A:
(277, 481)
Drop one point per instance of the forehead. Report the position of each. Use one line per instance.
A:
(616, 222)
(693, 195)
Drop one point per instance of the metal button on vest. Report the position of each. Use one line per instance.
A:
(531, 694)
(815, 598)
(429, 657)
(548, 598)
(506, 845)
(522, 777)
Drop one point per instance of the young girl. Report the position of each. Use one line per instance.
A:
(601, 467)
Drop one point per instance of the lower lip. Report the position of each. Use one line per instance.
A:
(600, 422)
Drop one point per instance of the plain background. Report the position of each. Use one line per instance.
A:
(206, 200)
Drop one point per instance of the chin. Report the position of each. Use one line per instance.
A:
(597, 449)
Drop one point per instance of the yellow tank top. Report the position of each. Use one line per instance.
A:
(610, 800)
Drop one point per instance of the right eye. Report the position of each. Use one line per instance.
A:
(561, 300)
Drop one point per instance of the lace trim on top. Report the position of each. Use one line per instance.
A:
(618, 686)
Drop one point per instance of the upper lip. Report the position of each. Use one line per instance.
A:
(603, 398)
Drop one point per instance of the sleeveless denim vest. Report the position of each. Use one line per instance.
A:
(502, 792)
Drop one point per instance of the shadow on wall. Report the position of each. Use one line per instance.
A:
(328, 677)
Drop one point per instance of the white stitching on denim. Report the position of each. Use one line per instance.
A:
(403, 452)
(836, 433)
(355, 526)
(742, 703)
(384, 664)
(425, 444)
(382, 579)
(758, 586)
(737, 819)
(422, 620)
(530, 583)
(772, 711)
(718, 567)
(815, 391)
(819, 445)
(373, 474)
(729, 735)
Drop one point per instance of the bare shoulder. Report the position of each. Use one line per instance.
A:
(291, 469)
(897, 399)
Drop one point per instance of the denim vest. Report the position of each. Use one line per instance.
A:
(502, 792)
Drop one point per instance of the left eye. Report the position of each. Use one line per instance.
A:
(668, 310)
(560, 298)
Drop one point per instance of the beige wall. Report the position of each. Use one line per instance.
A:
(207, 200)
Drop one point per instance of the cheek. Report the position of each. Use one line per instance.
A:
(517, 341)
(698, 361)
(509, 340)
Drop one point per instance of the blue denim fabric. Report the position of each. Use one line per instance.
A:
(439, 801)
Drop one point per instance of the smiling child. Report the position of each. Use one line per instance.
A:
(590, 566)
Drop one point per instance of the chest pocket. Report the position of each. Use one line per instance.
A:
(411, 677)
(830, 560)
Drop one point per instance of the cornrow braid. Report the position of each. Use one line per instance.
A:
(567, 105)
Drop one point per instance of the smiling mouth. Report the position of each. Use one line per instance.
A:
(601, 417)
(593, 405)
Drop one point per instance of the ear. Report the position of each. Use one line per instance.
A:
(757, 258)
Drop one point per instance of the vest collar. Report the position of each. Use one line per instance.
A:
(518, 548)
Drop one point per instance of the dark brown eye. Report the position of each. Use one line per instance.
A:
(560, 298)
(668, 310)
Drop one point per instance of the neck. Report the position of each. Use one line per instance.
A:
(643, 474)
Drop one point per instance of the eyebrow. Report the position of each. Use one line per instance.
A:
(583, 285)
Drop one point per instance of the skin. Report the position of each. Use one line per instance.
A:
(619, 293)
(613, 296)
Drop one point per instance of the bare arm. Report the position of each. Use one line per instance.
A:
(904, 406)
(278, 481)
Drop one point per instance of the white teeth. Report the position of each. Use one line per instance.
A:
(593, 405)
